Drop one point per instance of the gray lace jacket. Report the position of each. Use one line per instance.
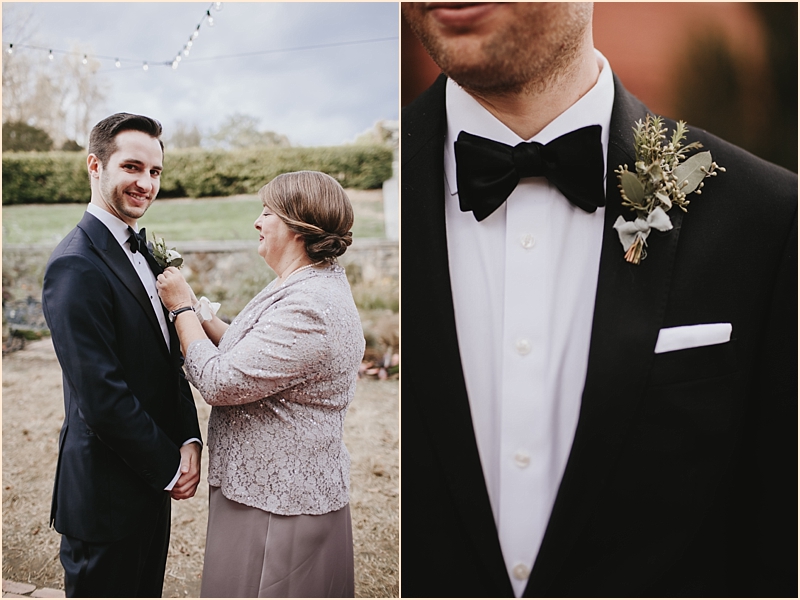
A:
(279, 384)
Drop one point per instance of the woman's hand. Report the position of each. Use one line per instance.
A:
(173, 290)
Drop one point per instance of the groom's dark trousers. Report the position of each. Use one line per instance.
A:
(682, 476)
(128, 409)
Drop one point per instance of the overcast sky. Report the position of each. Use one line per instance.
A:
(315, 96)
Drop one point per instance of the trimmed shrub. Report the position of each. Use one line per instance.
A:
(60, 177)
(21, 137)
(45, 177)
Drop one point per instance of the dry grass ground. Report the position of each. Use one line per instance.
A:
(32, 416)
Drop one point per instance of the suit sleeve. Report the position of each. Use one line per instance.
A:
(78, 304)
(773, 455)
(190, 428)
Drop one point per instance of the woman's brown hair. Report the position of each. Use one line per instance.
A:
(315, 206)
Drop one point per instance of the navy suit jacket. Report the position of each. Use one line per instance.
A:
(128, 407)
(682, 476)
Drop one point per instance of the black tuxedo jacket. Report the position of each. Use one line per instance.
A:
(128, 407)
(682, 477)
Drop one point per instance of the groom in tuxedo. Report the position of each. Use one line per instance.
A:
(130, 438)
(575, 424)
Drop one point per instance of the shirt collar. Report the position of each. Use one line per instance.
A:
(464, 113)
(117, 227)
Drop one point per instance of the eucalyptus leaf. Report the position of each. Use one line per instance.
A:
(655, 172)
(664, 199)
(632, 187)
(692, 171)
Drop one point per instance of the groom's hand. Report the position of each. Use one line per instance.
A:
(186, 485)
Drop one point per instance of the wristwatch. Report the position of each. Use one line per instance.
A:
(175, 313)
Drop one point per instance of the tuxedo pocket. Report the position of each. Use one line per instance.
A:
(671, 339)
(693, 364)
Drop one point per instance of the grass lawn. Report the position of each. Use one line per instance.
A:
(229, 218)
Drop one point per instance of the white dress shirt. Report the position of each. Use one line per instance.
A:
(524, 282)
(119, 229)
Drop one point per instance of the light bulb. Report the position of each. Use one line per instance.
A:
(10, 49)
(186, 52)
(174, 64)
(50, 56)
(189, 44)
(210, 21)
(196, 33)
(145, 67)
(217, 6)
(117, 63)
(85, 60)
(178, 58)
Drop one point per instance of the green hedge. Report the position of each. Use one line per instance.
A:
(56, 177)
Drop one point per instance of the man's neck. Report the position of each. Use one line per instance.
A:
(529, 111)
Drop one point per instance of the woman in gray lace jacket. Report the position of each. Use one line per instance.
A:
(279, 379)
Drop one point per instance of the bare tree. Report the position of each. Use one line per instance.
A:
(18, 74)
(85, 93)
(241, 131)
(62, 95)
(185, 136)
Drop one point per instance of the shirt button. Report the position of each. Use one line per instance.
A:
(527, 241)
(522, 459)
(521, 571)
(523, 347)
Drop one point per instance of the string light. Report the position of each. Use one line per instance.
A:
(118, 61)
(145, 66)
(189, 44)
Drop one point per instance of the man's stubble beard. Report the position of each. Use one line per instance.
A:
(516, 60)
(113, 196)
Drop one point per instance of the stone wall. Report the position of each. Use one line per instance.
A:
(231, 272)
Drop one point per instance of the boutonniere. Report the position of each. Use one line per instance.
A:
(166, 257)
(663, 178)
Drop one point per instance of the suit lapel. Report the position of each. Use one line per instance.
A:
(629, 311)
(431, 328)
(107, 248)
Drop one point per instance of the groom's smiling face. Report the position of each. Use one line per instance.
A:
(129, 182)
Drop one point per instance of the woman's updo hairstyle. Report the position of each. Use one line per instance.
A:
(314, 205)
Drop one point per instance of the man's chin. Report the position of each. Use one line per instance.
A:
(135, 212)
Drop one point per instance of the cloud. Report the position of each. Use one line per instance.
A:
(315, 96)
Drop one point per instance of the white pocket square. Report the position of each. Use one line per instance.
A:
(692, 336)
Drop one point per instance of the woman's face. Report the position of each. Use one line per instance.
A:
(275, 239)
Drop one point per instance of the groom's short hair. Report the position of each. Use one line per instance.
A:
(102, 141)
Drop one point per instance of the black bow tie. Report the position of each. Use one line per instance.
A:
(488, 171)
(137, 241)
